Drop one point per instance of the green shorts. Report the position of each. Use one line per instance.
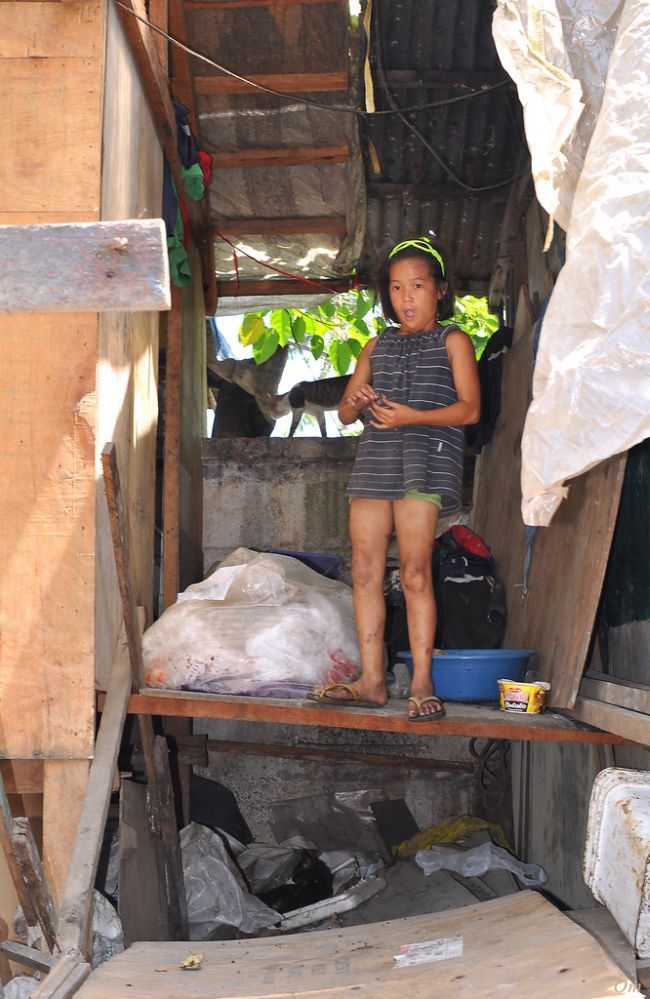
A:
(415, 494)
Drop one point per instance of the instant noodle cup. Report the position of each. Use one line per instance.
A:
(521, 697)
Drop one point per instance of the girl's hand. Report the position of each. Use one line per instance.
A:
(387, 415)
(362, 397)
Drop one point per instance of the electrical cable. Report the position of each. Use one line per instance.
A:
(270, 267)
(492, 766)
(337, 108)
(401, 112)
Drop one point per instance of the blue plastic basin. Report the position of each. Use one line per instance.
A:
(472, 674)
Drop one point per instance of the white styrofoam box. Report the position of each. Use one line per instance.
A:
(617, 851)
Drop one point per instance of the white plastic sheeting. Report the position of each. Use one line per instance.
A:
(582, 70)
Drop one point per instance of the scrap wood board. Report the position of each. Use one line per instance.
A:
(513, 947)
(569, 557)
(480, 720)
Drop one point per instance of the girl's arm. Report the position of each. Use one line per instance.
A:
(359, 391)
(467, 408)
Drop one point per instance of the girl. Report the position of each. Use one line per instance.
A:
(418, 383)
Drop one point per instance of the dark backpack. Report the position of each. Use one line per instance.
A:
(470, 598)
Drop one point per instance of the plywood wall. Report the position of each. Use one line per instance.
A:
(51, 77)
(78, 145)
(127, 356)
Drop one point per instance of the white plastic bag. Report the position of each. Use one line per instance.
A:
(215, 889)
(261, 624)
(21, 987)
(108, 936)
(473, 863)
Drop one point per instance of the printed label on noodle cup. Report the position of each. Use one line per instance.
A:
(523, 698)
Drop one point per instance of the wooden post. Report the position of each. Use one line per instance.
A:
(74, 917)
(176, 900)
(65, 978)
(161, 808)
(119, 532)
(172, 452)
(29, 865)
(25, 869)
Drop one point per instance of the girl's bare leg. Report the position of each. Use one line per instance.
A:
(415, 524)
(371, 527)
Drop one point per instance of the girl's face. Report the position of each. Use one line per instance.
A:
(414, 294)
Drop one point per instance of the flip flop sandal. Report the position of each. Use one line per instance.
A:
(431, 716)
(353, 701)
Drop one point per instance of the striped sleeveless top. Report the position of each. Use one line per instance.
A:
(412, 369)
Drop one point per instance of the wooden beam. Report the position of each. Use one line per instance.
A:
(239, 4)
(171, 485)
(284, 83)
(632, 725)
(84, 267)
(29, 865)
(175, 887)
(6, 842)
(119, 533)
(65, 978)
(159, 792)
(27, 956)
(480, 720)
(288, 156)
(182, 78)
(333, 224)
(159, 15)
(337, 756)
(280, 286)
(154, 83)
(602, 687)
(75, 912)
(408, 79)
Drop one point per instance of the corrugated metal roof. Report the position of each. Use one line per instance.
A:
(421, 52)
(480, 139)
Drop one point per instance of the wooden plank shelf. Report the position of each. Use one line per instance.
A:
(484, 721)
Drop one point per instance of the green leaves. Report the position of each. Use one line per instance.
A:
(266, 346)
(340, 355)
(474, 317)
(338, 328)
(317, 346)
(252, 328)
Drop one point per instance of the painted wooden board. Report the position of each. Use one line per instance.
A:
(481, 720)
(511, 947)
(85, 267)
(569, 557)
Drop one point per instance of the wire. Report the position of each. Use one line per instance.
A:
(337, 108)
(401, 112)
(270, 267)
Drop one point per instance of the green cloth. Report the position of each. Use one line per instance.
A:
(435, 498)
(179, 264)
(194, 181)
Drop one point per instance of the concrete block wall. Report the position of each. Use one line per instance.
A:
(290, 493)
(269, 492)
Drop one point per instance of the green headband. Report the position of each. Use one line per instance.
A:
(424, 245)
